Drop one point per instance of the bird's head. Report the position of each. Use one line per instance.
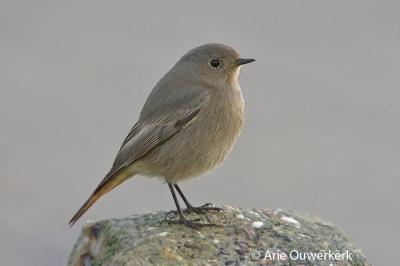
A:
(213, 64)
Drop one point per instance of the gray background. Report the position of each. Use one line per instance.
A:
(322, 113)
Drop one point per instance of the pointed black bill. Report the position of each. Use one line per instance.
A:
(242, 61)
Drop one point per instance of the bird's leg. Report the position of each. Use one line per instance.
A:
(181, 218)
(201, 209)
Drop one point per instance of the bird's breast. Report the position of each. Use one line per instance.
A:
(201, 145)
(224, 117)
(210, 137)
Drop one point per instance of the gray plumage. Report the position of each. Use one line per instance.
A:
(188, 124)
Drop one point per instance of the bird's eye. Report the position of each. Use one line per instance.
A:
(215, 63)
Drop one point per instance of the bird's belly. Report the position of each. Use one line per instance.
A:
(196, 149)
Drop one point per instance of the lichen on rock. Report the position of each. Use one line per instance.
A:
(246, 237)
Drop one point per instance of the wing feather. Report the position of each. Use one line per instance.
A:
(150, 131)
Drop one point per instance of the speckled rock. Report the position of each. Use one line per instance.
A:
(247, 237)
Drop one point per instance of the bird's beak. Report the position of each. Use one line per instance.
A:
(242, 61)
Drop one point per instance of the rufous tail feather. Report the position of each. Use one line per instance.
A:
(105, 186)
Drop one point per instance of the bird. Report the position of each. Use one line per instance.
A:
(187, 127)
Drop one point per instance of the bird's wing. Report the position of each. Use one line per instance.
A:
(164, 114)
(158, 125)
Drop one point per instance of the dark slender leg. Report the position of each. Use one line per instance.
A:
(188, 205)
(182, 219)
(178, 207)
(190, 208)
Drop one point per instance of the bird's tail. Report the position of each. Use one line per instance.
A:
(108, 183)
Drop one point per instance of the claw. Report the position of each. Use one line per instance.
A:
(190, 209)
(171, 212)
(203, 208)
(166, 218)
(190, 223)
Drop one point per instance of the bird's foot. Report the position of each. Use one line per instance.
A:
(194, 224)
(203, 209)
